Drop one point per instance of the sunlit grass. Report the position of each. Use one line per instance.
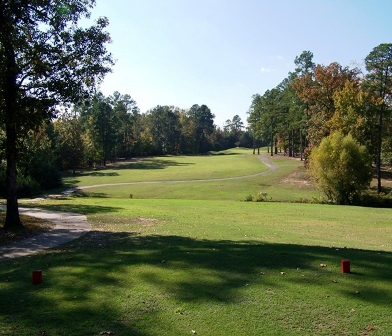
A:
(173, 168)
(286, 184)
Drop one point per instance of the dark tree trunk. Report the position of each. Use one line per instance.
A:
(12, 219)
(378, 159)
(292, 143)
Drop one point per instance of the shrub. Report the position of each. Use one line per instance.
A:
(259, 197)
(249, 198)
(341, 168)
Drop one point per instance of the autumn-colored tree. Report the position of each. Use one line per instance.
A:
(317, 92)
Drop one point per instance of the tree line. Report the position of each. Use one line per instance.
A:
(317, 100)
(103, 130)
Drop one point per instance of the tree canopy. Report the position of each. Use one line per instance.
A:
(46, 60)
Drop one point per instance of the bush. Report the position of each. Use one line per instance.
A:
(40, 178)
(26, 185)
(341, 168)
(259, 197)
(44, 173)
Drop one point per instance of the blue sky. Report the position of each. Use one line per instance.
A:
(221, 52)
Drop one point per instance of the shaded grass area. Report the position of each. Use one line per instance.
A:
(32, 227)
(136, 284)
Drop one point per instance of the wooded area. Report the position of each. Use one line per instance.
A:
(316, 100)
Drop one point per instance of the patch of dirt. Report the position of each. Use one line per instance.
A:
(32, 227)
(144, 221)
(299, 179)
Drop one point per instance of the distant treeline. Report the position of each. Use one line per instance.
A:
(105, 129)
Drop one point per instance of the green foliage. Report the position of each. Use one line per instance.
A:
(379, 84)
(341, 168)
(36, 168)
(259, 197)
(249, 198)
(201, 122)
(69, 144)
(46, 60)
(26, 184)
(165, 129)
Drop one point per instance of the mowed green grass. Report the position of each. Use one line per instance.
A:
(231, 163)
(180, 266)
(230, 176)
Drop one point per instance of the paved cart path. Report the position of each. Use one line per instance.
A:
(68, 226)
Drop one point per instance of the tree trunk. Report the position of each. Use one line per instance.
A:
(12, 219)
(378, 159)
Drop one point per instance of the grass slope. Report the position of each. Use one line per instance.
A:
(210, 265)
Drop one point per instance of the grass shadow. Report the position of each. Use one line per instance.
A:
(81, 193)
(84, 209)
(96, 173)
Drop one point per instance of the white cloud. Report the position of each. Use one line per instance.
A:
(266, 69)
(277, 57)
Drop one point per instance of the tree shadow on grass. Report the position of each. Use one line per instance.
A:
(85, 209)
(224, 153)
(115, 280)
(143, 164)
(100, 173)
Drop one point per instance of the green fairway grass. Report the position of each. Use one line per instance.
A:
(201, 180)
(195, 258)
(231, 163)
